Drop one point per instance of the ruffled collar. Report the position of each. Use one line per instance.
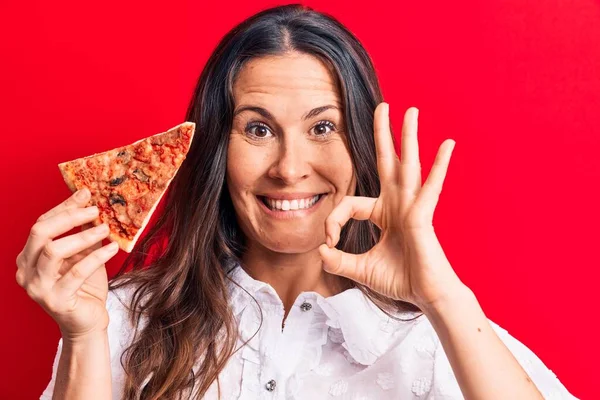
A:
(364, 330)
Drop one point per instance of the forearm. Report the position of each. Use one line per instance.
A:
(84, 369)
(484, 367)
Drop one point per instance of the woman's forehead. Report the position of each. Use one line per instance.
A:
(295, 78)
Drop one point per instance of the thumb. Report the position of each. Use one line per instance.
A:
(355, 207)
(337, 262)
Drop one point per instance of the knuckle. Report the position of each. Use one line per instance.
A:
(81, 239)
(98, 257)
(20, 261)
(50, 251)
(75, 272)
(89, 236)
(348, 204)
(70, 201)
(20, 277)
(37, 230)
(36, 289)
(32, 292)
(71, 212)
(42, 217)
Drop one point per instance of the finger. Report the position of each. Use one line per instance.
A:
(431, 190)
(76, 276)
(355, 207)
(90, 226)
(410, 163)
(337, 262)
(54, 252)
(56, 225)
(384, 144)
(77, 199)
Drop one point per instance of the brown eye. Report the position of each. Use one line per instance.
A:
(258, 130)
(321, 129)
(261, 131)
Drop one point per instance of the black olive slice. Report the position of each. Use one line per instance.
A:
(141, 175)
(116, 198)
(117, 181)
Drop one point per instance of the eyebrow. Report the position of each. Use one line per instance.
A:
(266, 114)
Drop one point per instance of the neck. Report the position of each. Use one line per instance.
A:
(291, 274)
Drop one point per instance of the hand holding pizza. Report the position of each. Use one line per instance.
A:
(67, 276)
(408, 263)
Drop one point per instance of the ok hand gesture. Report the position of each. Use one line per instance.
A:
(408, 263)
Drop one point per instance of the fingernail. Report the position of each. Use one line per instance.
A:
(82, 193)
(102, 229)
(328, 241)
(416, 113)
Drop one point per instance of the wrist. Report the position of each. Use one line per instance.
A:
(456, 298)
(84, 339)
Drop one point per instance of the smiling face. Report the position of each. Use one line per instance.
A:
(288, 161)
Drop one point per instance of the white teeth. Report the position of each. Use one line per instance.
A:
(295, 204)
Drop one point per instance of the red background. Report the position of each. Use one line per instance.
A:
(516, 84)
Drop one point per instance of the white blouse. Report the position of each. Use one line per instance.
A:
(340, 347)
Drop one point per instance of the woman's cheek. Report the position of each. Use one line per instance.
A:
(240, 165)
(338, 164)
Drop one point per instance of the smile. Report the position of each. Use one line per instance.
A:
(291, 204)
(294, 204)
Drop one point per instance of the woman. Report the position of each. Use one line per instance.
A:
(301, 259)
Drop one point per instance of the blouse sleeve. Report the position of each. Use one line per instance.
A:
(47, 394)
(117, 334)
(445, 385)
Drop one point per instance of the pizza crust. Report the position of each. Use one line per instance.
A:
(67, 176)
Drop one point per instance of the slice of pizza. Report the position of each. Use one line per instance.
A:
(128, 182)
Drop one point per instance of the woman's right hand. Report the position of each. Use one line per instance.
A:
(67, 276)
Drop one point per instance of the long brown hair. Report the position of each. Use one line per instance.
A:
(185, 287)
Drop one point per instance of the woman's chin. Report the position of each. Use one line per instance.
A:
(290, 246)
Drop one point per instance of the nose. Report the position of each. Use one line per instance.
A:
(292, 164)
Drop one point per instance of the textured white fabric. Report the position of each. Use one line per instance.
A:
(343, 347)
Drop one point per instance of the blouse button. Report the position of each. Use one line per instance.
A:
(306, 306)
(270, 386)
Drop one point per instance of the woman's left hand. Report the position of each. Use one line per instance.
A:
(408, 262)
